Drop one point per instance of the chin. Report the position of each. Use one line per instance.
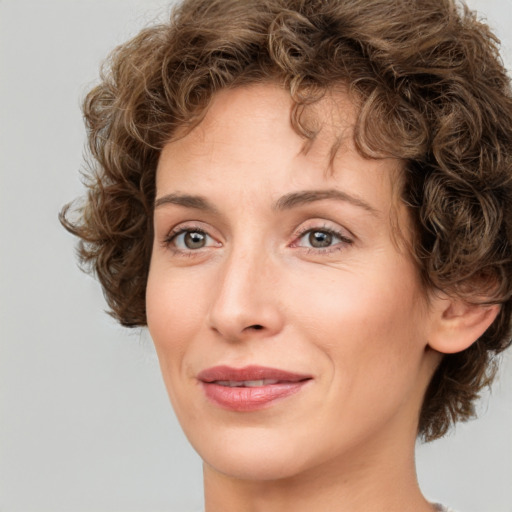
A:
(252, 457)
(259, 469)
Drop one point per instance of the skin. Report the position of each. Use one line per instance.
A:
(352, 314)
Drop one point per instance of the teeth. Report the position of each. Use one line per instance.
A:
(246, 383)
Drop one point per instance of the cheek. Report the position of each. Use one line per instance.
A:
(175, 313)
(369, 332)
(369, 322)
(174, 309)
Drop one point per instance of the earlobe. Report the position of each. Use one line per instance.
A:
(457, 324)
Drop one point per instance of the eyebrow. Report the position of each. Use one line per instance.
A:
(188, 201)
(286, 202)
(295, 199)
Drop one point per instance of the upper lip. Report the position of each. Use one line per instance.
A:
(249, 373)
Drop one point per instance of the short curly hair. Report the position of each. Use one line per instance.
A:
(430, 89)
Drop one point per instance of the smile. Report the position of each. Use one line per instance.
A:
(246, 383)
(250, 388)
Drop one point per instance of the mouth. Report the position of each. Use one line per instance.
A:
(250, 388)
(246, 383)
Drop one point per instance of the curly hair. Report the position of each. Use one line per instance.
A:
(430, 90)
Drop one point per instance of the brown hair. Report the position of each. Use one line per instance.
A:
(430, 88)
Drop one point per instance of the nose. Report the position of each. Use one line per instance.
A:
(245, 302)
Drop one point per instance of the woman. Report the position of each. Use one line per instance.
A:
(307, 203)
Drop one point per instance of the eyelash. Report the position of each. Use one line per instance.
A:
(339, 246)
(168, 241)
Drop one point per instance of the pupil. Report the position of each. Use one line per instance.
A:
(320, 239)
(194, 240)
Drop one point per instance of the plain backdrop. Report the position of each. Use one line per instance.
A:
(85, 423)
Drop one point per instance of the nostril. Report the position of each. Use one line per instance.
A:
(256, 327)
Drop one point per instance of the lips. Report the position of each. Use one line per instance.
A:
(249, 388)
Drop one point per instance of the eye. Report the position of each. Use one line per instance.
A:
(322, 238)
(190, 239)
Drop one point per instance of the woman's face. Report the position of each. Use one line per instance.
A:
(289, 321)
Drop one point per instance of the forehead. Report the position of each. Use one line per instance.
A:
(269, 105)
(247, 144)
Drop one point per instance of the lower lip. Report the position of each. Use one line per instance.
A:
(242, 399)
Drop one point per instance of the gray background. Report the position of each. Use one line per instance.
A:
(84, 420)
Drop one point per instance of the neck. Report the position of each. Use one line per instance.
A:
(383, 480)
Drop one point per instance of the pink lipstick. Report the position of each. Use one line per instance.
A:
(250, 388)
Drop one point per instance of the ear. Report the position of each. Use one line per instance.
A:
(456, 324)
